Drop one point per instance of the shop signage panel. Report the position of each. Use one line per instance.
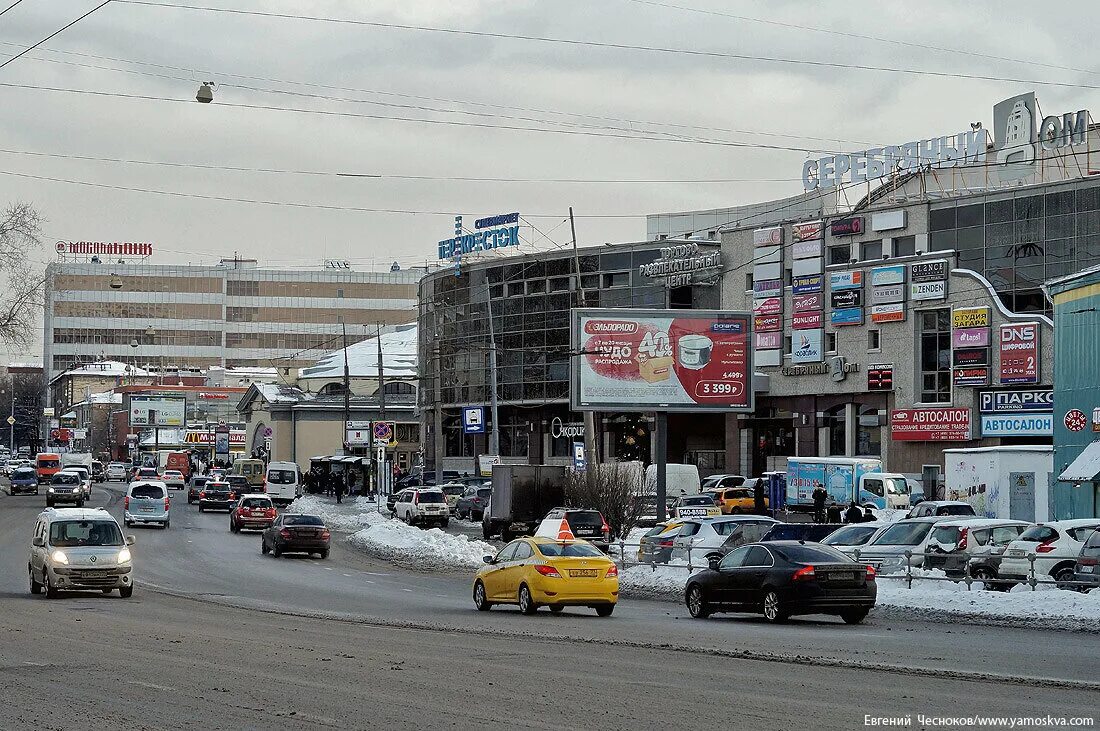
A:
(767, 306)
(968, 357)
(807, 320)
(888, 313)
(930, 425)
(807, 249)
(1037, 400)
(846, 226)
(767, 323)
(975, 376)
(806, 267)
(882, 276)
(767, 341)
(807, 346)
(928, 291)
(803, 285)
(1019, 357)
(768, 236)
(850, 316)
(970, 337)
(846, 280)
(768, 255)
(880, 377)
(808, 302)
(764, 272)
(888, 220)
(889, 295)
(1017, 425)
(767, 358)
(662, 360)
(928, 271)
(843, 298)
(808, 231)
(767, 288)
(969, 317)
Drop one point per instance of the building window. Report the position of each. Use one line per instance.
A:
(787, 344)
(399, 388)
(340, 294)
(616, 279)
(748, 282)
(873, 340)
(868, 433)
(870, 250)
(836, 424)
(787, 276)
(905, 246)
(935, 357)
(830, 342)
(515, 289)
(840, 254)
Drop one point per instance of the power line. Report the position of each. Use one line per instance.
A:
(604, 44)
(859, 36)
(10, 6)
(56, 33)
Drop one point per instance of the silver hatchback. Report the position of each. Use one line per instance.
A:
(79, 549)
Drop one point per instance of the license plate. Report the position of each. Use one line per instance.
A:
(146, 510)
(1014, 552)
(584, 573)
(1085, 569)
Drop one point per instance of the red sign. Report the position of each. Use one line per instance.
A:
(806, 321)
(767, 323)
(208, 396)
(930, 425)
(808, 302)
(108, 248)
(1075, 420)
(880, 377)
(61, 435)
(1020, 352)
(205, 437)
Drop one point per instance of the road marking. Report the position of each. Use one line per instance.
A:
(369, 581)
(154, 686)
(328, 568)
(347, 575)
(408, 590)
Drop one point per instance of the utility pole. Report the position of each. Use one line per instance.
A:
(347, 386)
(591, 456)
(380, 472)
(494, 435)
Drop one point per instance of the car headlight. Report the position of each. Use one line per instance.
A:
(50, 490)
(59, 557)
(124, 555)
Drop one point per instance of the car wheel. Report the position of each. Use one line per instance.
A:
(485, 532)
(773, 610)
(605, 610)
(1063, 574)
(189, 500)
(126, 591)
(324, 554)
(201, 508)
(854, 616)
(51, 592)
(233, 526)
(445, 523)
(36, 588)
(480, 601)
(697, 604)
(166, 524)
(526, 603)
(276, 550)
(263, 546)
(49, 503)
(556, 608)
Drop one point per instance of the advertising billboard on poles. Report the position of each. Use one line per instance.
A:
(158, 410)
(661, 360)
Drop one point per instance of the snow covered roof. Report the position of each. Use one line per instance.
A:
(106, 397)
(277, 393)
(106, 368)
(399, 357)
(245, 371)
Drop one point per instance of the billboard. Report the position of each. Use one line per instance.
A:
(1032, 400)
(807, 346)
(661, 360)
(1019, 352)
(930, 425)
(1017, 425)
(969, 317)
(158, 410)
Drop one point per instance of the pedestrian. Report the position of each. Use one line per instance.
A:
(832, 514)
(339, 490)
(853, 514)
(819, 496)
(868, 516)
(758, 498)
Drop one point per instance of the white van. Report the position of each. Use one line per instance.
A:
(680, 479)
(284, 482)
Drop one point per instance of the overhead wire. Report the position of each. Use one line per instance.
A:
(56, 33)
(605, 44)
(10, 6)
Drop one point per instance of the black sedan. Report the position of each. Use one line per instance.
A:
(216, 496)
(296, 533)
(782, 579)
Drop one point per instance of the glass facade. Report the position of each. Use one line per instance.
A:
(935, 356)
(1018, 240)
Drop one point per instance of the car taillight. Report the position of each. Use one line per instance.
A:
(167, 503)
(548, 571)
(202, 494)
(613, 571)
(871, 573)
(1045, 547)
(606, 529)
(1086, 561)
(270, 512)
(126, 503)
(961, 543)
(326, 535)
(665, 543)
(804, 573)
(416, 498)
(284, 533)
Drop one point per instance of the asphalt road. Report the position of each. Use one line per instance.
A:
(219, 636)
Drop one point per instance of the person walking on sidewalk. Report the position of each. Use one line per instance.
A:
(819, 495)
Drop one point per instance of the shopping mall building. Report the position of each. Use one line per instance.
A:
(910, 320)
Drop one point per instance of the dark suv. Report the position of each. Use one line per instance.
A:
(585, 524)
(1087, 569)
(813, 532)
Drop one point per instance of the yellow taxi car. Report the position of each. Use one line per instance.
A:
(536, 572)
(736, 500)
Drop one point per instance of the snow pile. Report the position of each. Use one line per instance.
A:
(429, 550)
(350, 515)
(654, 582)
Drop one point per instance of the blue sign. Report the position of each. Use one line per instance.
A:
(1036, 400)
(884, 276)
(473, 420)
(493, 221)
(1017, 425)
(579, 459)
(811, 283)
(847, 316)
(496, 238)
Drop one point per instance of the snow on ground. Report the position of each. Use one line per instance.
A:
(390, 539)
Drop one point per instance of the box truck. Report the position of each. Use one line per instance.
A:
(522, 496)
(846, 479)
(1002, 482)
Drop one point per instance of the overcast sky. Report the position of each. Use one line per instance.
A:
(559, 86)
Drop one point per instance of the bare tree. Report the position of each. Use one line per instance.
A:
(20, 227)
(613, 489)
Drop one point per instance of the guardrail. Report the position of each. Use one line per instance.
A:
(619, 553)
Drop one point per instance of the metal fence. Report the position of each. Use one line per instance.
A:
(625, 555)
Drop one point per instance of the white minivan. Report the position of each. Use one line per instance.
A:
(284, 482)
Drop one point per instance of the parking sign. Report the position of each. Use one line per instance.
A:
(473, 420)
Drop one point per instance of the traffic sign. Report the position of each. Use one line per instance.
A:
(383, 433)
(11, 421)
(473, 420)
